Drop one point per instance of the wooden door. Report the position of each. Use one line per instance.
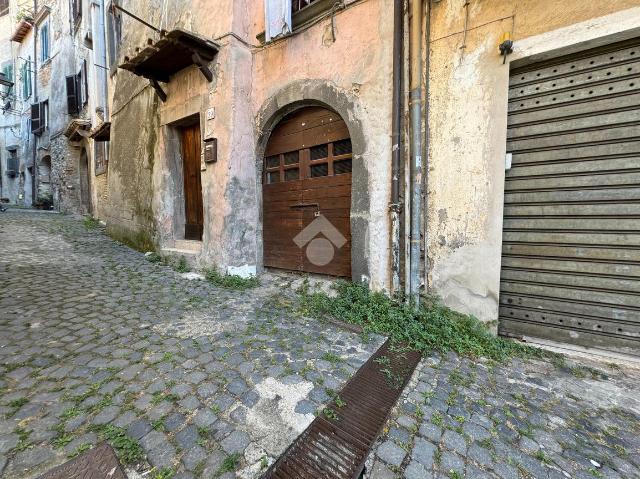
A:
(307, 194)
(193, 209)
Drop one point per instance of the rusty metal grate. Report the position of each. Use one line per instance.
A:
(336, 444)
(98, 463)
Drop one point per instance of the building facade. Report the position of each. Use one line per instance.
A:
(333, 72)
(251, 135)
(531, 179)
(56, 51)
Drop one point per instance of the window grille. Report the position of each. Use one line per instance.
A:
(297, 5)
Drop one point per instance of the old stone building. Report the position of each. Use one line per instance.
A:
(230, 141)
(57, 53)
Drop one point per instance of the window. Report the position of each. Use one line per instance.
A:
(13, 164)
(101, 151)
(7, 70)
(114, 36)
(76, 12)
(25, 76)
(4, 7)
(45, 53)
(77, 90)
(297, 5)
(39, 117)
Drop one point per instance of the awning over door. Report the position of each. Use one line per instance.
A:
(175, 51)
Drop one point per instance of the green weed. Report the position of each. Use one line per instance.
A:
(230, 281)
(431, 327)
(229, 464)
(91, 223)
(128, 450)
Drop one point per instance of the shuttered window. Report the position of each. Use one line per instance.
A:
(13, 163)
(39, 113)
(76, 11)
(74, 99)
(25, 74)
(114, 35)
(45, 52)
(7, 70)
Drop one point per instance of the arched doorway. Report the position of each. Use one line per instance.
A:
(85, 182)
(307, 194)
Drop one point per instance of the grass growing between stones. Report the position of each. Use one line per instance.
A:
(428, 328)
(230, 281)
(91, 223)
(128, 450)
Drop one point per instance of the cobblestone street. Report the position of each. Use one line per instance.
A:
(519, 420)
(187, 379)
(98, 342)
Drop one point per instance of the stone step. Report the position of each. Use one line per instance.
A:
(188, 245)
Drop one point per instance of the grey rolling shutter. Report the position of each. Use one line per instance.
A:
(571, 234)
(73, 105)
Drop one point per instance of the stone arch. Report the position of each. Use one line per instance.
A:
(304, 93)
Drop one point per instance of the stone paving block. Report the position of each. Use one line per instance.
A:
(236, 442)
(416, 471)
(159, 451)
(391, 453)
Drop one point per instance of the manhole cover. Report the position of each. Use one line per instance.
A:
(98, 463)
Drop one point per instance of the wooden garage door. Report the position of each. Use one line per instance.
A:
(571, 240)
(307, 174)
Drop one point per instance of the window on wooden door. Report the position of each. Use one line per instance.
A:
(328, 159)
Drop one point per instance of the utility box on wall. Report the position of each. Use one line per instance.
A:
(211, 150)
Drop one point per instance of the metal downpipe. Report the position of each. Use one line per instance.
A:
(396, 141)
(415, 170)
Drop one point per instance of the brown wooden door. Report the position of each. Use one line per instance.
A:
(307, 194)
(193, 209)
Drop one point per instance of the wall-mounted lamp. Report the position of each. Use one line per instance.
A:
(4, 81)
(506, 46)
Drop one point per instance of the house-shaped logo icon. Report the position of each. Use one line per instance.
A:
(320, 250)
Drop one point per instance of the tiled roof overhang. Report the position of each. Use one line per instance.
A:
(22, 29)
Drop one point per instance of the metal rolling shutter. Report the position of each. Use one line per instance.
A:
(571, 238)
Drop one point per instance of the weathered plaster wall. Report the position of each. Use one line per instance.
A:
(467, 113)
(356, 72)
(253, 85)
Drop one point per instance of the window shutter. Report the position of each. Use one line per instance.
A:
(73, 107)
(84, 81)
(277, 18)
(36, 120)
(8, 73)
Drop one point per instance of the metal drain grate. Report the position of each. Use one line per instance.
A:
(336, 444)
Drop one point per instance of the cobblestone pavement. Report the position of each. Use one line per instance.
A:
(97, 342)
(459, 418)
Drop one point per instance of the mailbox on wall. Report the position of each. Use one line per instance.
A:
(211, 150)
